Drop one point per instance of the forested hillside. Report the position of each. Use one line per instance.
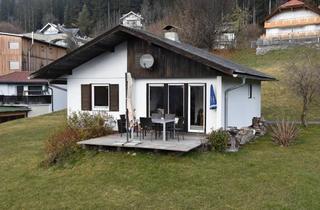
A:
(98, 15)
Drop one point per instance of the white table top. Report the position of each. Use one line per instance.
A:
(161, 121)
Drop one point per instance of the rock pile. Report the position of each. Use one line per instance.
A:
(245, 135)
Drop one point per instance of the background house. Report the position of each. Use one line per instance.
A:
(293, 23)
(21, 55)
(132, 20)
(16, 89)
(60, 35)
(226, 38)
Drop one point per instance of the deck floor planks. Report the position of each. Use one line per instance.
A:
(189, 143)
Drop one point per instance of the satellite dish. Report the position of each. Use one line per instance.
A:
(146, 61)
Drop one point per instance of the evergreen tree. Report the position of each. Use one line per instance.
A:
(66, 16)
(84, 21)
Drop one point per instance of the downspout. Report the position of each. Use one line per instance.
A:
(226, 101)
(51, 89)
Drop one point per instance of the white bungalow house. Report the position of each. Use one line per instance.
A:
(295, 22)
(167, 75)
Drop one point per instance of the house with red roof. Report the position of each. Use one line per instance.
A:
(295, 22)
(37, 96)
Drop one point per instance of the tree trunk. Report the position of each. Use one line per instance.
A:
(304, 115)
(270, 6)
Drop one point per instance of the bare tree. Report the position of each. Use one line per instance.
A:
(199, 21)
(304, 80)
(10, 28)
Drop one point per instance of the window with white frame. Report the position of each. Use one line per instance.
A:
(100, 96)
(14, 65)
(14, 45)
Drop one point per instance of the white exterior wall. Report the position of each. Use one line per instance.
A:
(292, 15)
(59, 97)
(9, 90)
(241, 108)
(295, 14)
(140, 97)
(39, 109)
(108, 68)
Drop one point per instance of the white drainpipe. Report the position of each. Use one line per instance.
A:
(226, 105)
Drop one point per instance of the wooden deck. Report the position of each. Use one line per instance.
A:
(189, 143)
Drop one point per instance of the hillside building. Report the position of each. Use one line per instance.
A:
(293, 23)
(132, 20)
(60, 35)
(22, 53)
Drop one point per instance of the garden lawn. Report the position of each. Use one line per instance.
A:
(260, 176)
(278, 101)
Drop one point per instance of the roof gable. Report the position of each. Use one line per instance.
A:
(293, 4)
(49, 26)
(111, 38)
(131, 13)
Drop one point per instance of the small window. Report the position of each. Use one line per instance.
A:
(13, 45)
(100, 97)
(35, 90)
(14, 65)
(250, 91)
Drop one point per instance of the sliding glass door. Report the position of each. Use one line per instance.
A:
(176, 100)
(166, 99)
(196, 110)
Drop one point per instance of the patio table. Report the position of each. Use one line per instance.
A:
(163, 122)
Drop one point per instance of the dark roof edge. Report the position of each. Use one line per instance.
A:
(257, 77)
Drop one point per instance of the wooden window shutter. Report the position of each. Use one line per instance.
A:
(114, 98)
(86, 104)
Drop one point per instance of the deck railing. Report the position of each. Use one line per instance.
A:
(42, 99)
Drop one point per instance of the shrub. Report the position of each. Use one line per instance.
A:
(90, 125)
(284, 133)
(80, 126)
(61, 145)
(219, 140)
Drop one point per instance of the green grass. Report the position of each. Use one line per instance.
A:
(260, 176)
(278, 101)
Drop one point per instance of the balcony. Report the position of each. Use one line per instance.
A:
(296, 35)
(26, 100)
(292, 22)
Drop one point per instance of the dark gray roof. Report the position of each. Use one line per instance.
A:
(237, 68)
(120, 33)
